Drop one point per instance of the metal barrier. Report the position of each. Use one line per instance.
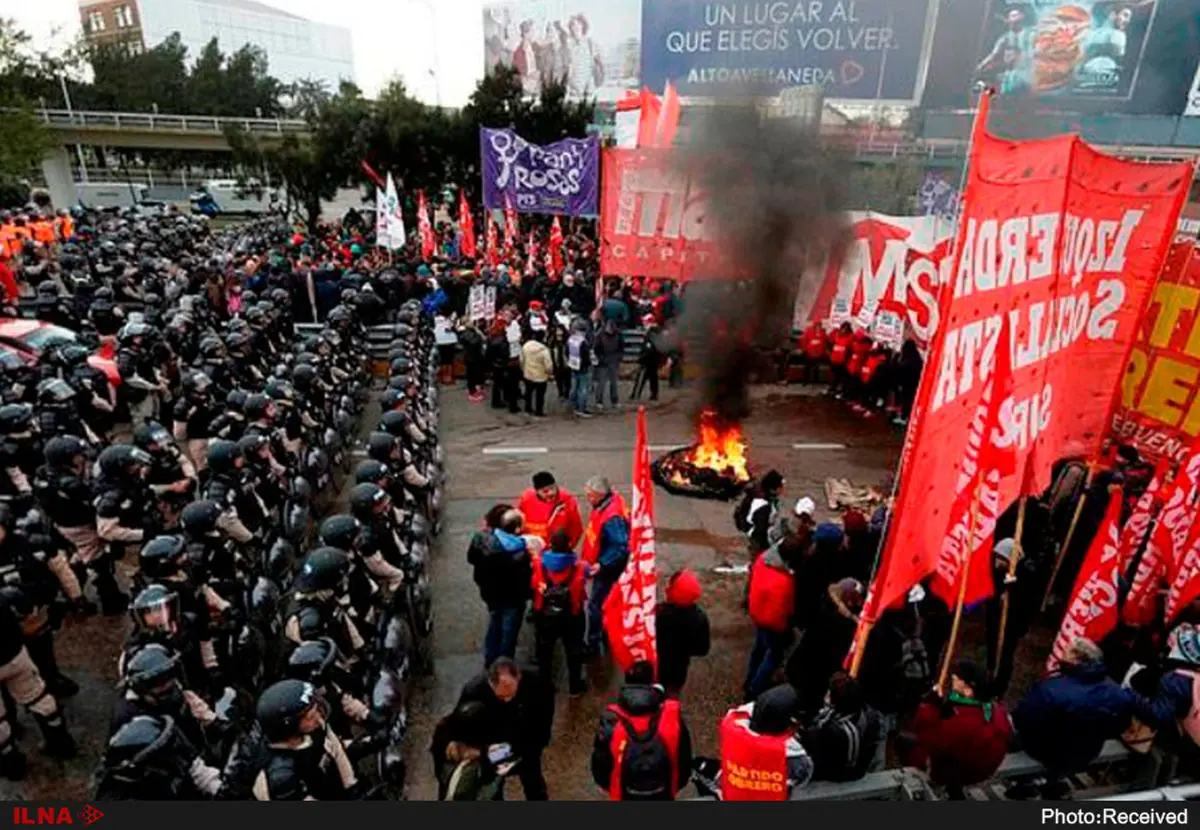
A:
(76, 119)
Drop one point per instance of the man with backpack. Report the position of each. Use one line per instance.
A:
(758, 511)
(844, 736)
(558, 596)
(643, 750)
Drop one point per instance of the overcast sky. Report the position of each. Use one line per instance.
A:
(391, 38)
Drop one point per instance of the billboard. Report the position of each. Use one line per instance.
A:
(854, 49)
(592, 45)
(1079, 56)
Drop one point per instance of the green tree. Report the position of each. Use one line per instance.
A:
(206, 83)
(24, 140)
(886, 187)
(138, 82)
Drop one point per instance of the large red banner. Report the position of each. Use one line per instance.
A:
(652, 219)
(629, 609)
(1067, 242)
(1159, 409)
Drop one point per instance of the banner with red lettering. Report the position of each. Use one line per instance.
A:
(630, 607)
(1066, 242)
(1159, 410)
(652, 219)
(1137, 526)
(466, 226)
(893, 265)
(1092, 611)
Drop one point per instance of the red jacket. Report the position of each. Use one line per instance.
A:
(8, 282)
(815, 342)
(859, 349)
(963, 749)
(543, 579)
(871, 366)
(543, 518)
(669, 729)
(772, 592)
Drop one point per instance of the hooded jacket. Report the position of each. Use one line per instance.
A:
(502, 568)
(633, 701)
(682, 630)
(524, 722)
(824, 645)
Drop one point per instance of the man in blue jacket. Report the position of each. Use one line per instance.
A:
(501, 559)
(1065, 719)
(605, 550)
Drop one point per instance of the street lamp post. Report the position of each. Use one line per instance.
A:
(434, 70)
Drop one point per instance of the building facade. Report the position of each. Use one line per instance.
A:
(296, 48)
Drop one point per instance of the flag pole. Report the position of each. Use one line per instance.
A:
(1062, 550)
(963, 572)
(1009, 579)
(860, 645)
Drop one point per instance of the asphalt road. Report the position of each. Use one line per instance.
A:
(490, 458)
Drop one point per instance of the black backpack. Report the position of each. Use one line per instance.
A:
(556, 596)
(741, 513)
(647, 773)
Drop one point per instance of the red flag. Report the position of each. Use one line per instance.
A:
(1092, 612)
(648, 123)
(989, 457)
(1138, 524)
(1069, 359)
(493, 241)
(466, 225)
(373, 175)
(1169, 542)
(630, 607)
(510, 227)
(556, 245)
(425, 227)
(668, 118)
(531, 252)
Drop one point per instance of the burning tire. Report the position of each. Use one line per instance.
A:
(715, 467)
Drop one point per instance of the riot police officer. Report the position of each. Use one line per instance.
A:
(306, 759)
(59, 412)
(316, 608)
(380, 544)
(95, 396)
(172, 478)
(230, 423)
(243, 513)
(20, 449)
(149, 759)
(141, 382)
(193, 418)
(317, 662)
(124, 504)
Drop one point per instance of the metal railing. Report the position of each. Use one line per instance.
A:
(154, 122)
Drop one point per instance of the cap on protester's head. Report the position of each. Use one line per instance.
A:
(543, 479)
(683, 588)
(805, 507)
(1003, 550)
(828, 533)
(974, 676)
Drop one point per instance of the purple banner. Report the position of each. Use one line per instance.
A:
(563, 177)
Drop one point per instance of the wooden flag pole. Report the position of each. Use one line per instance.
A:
(1062, 551)
(963, 574)
(860, 646)
(1009, 579)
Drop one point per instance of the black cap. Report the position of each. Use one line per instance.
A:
(543, 479)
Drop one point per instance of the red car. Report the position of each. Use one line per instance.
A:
(29, 338)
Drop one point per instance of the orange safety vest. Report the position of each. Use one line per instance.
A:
(753, 766)
(615, 506)
(65, 226)
(543, 518)
(43, 232)
(8, 236)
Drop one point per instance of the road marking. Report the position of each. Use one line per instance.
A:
(515, 450)
(818, 446)
(666, 447)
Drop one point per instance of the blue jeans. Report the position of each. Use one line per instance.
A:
(580, 387)
(597, 593)
(765, 658)
(504, 624)
(607, 376)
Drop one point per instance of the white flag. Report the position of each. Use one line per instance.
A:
(395, 220)
(381, 227)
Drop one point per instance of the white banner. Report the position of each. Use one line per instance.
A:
(1191, 107)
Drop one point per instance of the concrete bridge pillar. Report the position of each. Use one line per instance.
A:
(56, 167)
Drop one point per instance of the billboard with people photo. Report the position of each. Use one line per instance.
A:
(590, 45)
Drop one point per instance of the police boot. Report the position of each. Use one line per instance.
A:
(10, 706)
(59, 743)
(113, 602)
(12, 762)
(41, 650)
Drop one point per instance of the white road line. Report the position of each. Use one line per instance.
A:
(515, 450)
(666, 447)
(818, 446)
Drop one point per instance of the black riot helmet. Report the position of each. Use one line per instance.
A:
(282, 707)
(368, 500)
(303, 377)
(394, 423)
(153, 672)
(15, 418)
(212, 348)
(374, 472)
(147, 752)
(156, 610)
(163, 557)
(72, 354)
(380, 446)
(281, 392)
(223, 457)
(392, 399)
(200, 518)
(324, 569)
(258, 407)
(152, 437)
(312, 661)
(341, 531)
(55, 393)
(252, 445)
(63, 451)
(123, 461)
(235, 401)
(400, 366)
(196, 384)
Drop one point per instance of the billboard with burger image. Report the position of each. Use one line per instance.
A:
(1076, 48)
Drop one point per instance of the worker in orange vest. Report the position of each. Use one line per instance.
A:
(64, 226)
(547, 508)
(762, 758)
(43, 232)
(605, 550)
(558, 596)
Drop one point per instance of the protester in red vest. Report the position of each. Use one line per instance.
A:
(558, 609)
(839, 355)
(605, 550)
(762, 758)
(8, 282)
(548, 508)
(814, 345)
(961, 740)
(873, 377)
(772, 601)
(643, 750)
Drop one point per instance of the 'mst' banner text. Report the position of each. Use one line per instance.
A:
(1067, 242)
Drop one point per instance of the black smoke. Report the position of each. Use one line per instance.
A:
(776, 207)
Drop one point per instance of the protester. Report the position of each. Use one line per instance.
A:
(770, 601)
(518, 714)
(826, 643)
(642, 750)
(605, 551)
(758, 511)
(537, 368)
(474, 347)
(682, 630)
(762, 758)
(460, 760)
(558, 597)
(649, 360)
(843, 738)
(609, 347)
(578, 350)
(1024, 597)
(501, 558)
(962, 739)
(548, 508)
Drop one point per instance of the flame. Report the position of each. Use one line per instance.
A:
(721, 448)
